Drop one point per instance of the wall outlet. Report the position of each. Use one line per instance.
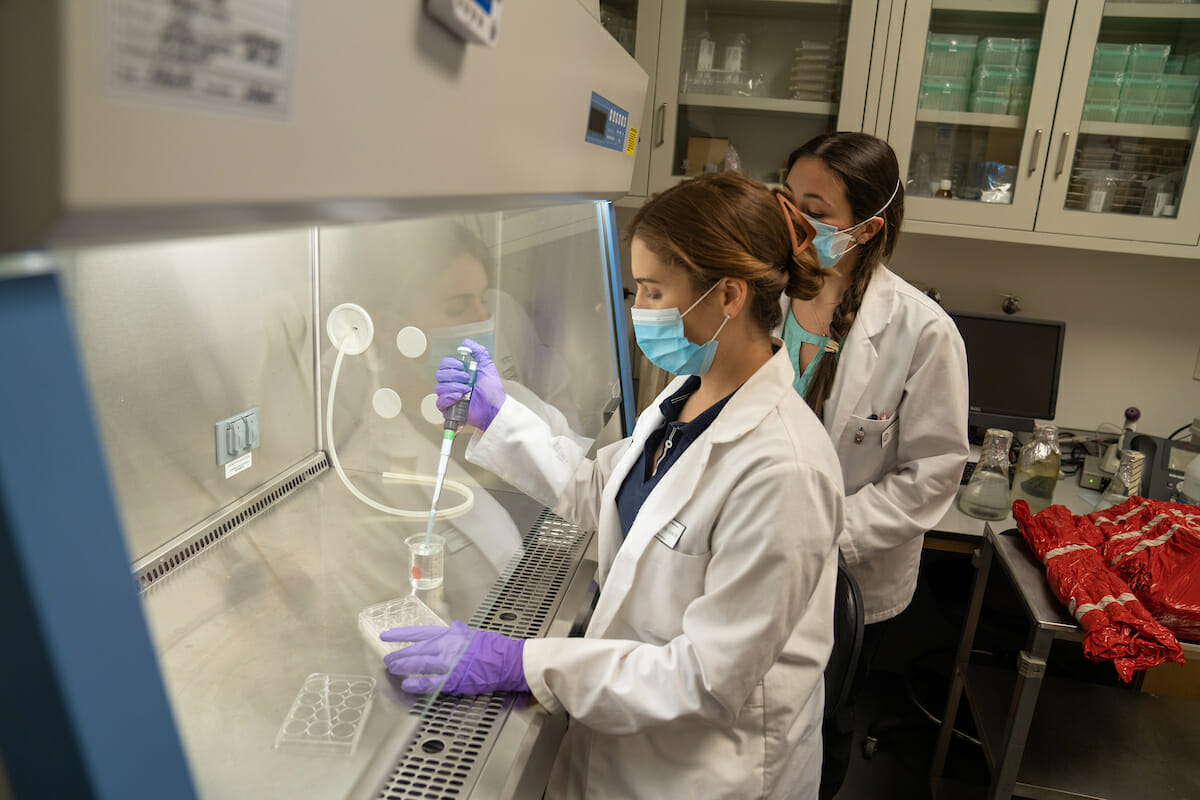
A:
(237, 435)
(1196, 369)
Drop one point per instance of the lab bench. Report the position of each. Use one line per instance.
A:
(1046, 737)
(243, 626)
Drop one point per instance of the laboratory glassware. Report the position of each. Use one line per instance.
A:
(986, 494)
(1126, 483)
(1037, 468)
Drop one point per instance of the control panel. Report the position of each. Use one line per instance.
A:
(607, 124)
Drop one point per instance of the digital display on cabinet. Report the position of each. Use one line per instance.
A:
(597, 120)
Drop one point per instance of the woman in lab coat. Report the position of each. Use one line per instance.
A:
(884, 367)
(701, 671)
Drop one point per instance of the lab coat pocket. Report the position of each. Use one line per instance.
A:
(868, 450)
(667, 583)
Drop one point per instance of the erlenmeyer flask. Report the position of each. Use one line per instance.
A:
(986, 494)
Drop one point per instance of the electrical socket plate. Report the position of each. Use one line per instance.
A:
(237, 435)
(1196, 369)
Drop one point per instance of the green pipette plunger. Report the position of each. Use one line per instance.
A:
(456, 417)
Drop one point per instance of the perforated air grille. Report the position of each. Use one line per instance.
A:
(446, 755)
(191, 543)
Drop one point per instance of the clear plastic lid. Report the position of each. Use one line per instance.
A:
(328, 714)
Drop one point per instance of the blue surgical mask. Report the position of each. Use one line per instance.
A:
(659, 333)
(831, 244)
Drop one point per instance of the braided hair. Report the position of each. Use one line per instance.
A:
(869, 173)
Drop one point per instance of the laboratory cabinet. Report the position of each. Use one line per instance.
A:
(762, 75)
(1003, 121)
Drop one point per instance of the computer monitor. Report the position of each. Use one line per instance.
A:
(1013, 364)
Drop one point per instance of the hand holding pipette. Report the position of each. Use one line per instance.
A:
(487, 393)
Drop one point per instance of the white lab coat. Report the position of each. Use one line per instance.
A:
(903, 358)
(701, 672)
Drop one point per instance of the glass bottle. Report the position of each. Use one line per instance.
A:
(1037, 468)
(1126, 483)
(986, 494)
(736, 56)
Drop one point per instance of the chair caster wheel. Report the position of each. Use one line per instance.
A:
(869, 746)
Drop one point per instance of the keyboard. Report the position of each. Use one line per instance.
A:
(968, 470)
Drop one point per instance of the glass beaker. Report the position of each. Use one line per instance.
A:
(426, 560)
(1037, 469)
(1126, 483)
(986, 494)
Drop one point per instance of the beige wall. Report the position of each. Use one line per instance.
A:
(1133, 323)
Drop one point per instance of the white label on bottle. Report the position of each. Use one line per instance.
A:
(1161, 201)
(733, 59)
(1096, 200)
(708, 51)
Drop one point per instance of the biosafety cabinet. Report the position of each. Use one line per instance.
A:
(236, 239)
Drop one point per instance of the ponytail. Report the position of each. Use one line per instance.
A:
(724, 225)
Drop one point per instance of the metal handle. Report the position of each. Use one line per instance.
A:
(1037, 146)
(661, 124)
(1062, 153)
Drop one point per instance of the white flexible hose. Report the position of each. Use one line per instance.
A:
(420, 480)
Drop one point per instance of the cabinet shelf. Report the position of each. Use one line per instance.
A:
(773, 104)
(1152, 10)
(1173, 132)
(970, 118)
(991, 6)
(1061, 756)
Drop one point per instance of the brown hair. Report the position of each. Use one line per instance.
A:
(867, 169)
(723, 225)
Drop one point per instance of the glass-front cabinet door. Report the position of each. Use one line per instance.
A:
(634, 23)
(747, 81)
(1120, 158)
(975, 96)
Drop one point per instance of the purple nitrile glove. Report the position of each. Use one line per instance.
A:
(478, 661)
(488, 395)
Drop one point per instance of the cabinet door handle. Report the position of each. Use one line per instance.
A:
(661, 124)
(1062, 153)
(1037, 146)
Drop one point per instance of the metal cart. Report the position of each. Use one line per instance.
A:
(1074, 739)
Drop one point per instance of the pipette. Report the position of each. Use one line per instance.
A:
(455, 418)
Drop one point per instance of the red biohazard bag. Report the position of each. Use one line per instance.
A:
(1117, 624)
(1155, 547)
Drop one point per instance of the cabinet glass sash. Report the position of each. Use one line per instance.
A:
(1121, 159)
(755, 78)
(975, 100)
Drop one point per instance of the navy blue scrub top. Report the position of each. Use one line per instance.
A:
(642, 478)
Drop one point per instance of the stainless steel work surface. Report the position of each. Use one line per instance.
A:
(240, 628)
(1030, 578)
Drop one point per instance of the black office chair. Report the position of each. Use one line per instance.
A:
(843, 659)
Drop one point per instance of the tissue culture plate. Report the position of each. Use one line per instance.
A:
(329, 713)
(399, 613)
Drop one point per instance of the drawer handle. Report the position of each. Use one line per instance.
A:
(661, 124)
(1062, 153)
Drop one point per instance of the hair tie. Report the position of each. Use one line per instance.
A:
(832, 346)
(793, 217)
